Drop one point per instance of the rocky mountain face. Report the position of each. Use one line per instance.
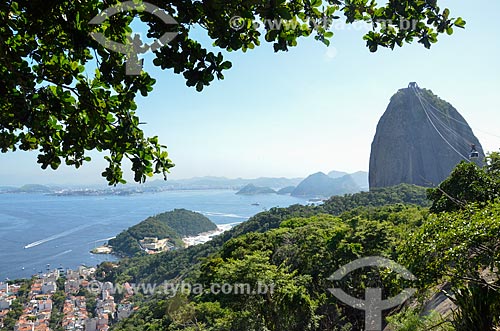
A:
(419, 140)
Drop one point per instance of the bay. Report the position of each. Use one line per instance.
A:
(42, 231)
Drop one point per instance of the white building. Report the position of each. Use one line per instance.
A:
(45, 305)
(86, 272)
(154, 244)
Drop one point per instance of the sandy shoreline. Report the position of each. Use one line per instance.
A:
(207, 236)
(188, 241)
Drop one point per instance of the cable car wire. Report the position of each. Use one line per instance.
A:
(449, 129)
(434, 126)
(454, 119)
(443, 124)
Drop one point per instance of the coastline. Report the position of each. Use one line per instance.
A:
(188, 241)
(207, 236)
(94, 219)
(103, 249)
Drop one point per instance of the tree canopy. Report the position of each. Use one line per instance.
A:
(468, 183)
(174, 225)
(64, 94)
(455, 252)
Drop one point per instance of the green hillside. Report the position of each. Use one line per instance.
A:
(170, 265)
(174, 225)
(185, 222)
(294, 251)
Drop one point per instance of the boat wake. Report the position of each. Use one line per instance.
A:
(56, 236)
(62, 253)
(99, 240)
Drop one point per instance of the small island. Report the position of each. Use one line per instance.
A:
(286, 190)
(251, 189)
(159, 233)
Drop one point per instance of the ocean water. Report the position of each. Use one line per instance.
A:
(41, 231)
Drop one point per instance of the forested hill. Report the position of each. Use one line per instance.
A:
(300, 238)
(297, 249)
(186, 222)
(403, 193)
(170, 265)
(174, 225)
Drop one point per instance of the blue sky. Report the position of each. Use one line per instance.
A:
(311, 109)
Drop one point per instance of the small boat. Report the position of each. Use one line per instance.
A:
(255, 204)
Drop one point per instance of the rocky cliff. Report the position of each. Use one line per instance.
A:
(419, 140)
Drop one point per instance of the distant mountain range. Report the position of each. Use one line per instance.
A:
(28, 188)
(225, 183)
(320, 185)
(337, 174)
(361, 179)
(317, 185)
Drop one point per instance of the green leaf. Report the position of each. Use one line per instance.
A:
(284, 13)
(330, 10)
(316, 3)
(446, 13)
(226, 65)
(459, 22)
